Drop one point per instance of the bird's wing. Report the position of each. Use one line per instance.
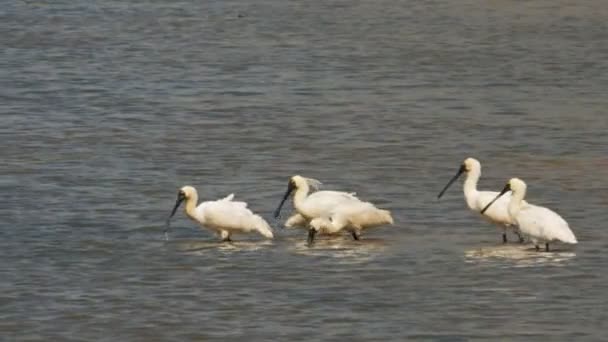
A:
(320, 203)
(360, 214)
(228, 215)
(227, 198)
(351, 207)
(332, 197)
(230, 198)
(544, 223)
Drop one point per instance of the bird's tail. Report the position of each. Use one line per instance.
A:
(567, 236)
(263, 227)
(388, 218)
(377, 217)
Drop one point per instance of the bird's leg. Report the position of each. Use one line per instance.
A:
(225, 236)
(504, 237)
(311, 236)
(546, 246)
(521, 238)
(356, 235)
(537, 248)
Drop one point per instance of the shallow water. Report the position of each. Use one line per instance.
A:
(109, 107)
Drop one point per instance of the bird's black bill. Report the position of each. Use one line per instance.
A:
(311, 236)
(460, 171)
(180, 199)
(504, 191)
(290, 188)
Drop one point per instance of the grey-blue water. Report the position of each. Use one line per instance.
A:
(108, 107)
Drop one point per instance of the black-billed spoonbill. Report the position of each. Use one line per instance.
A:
(353, 216)
(311, 206)
(539, 223)
(224, 216)
(476, 200)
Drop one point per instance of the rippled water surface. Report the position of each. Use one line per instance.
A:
(108, 107)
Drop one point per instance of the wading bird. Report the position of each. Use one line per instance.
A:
(350, 216)
(476, 199)
(539, 223)
(225, 216)
(307, 206)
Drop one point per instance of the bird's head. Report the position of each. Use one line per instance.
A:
(297, 182)
(294, 183)
(186, 192)
(517, 185)
(514, 184)
(468, 165)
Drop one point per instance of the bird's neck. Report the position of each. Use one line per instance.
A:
(516, 202)
(191, 206)
(470, 187)
(300, 195)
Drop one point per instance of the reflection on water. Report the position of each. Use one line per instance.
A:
(207, 247)
(520, 255)
(344, 249)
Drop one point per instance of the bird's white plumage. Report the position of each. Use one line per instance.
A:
(542, 225)
(476, 200)
(225, 216)
(498, 213)
(310, 205)
(296, 220)
(353, 217)
(321, 202)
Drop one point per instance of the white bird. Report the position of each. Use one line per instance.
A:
(351, 216)
(539, 223)
(476, 200)
(307, 206)
(296, 220)
(225, 216)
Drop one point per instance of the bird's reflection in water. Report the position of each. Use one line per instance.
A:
(523, 255)
(202, 247)
(342, 248)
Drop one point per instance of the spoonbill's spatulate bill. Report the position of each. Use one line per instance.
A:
(310, 206)
(354, 216)
(225, 216)
(476, 199)
(539, 223)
